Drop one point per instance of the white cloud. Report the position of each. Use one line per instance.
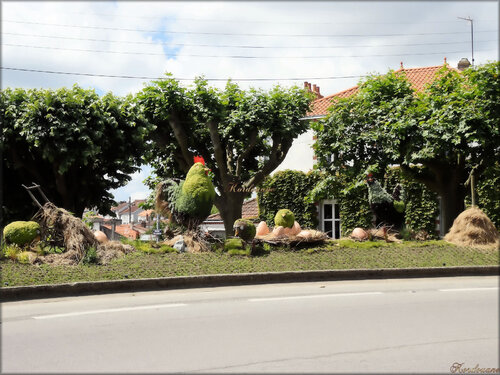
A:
(372, 19)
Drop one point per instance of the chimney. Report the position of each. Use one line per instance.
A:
(316, 91)
(463, 64)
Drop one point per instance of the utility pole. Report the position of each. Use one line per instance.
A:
(471, 34)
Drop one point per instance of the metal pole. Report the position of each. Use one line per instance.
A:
(472, 39)
(471, 34)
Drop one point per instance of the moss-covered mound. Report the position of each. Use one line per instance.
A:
(244, 229)
(284, 218)
(21, 232)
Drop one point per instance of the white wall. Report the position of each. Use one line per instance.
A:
(300, 156)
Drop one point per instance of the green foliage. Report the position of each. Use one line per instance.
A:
(245, 229)
(10, 251)
(24, 257)
(242, 135)
(377, 194)
(21, 232)
(284, 218)
(87, 219)
(72, 142)
(488, 193)
(421, 206)
(149, 247)
(436, 136)
(90, 256)
(285, 189)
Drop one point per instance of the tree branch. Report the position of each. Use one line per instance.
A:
(278, 154)
(417, 175)
(181, 137)
(244, 154)
(218, 153)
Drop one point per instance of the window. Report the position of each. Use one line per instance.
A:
(330, 218)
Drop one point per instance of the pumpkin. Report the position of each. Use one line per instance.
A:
(262, 229)
(359, 234)
(100, 236)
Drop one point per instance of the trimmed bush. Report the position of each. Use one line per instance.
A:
(284, 218)
(234, 244)
(21, 232)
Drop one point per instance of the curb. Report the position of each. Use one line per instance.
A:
(165, 283)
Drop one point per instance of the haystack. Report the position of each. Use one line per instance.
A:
(471, 228)
(60, 228)
(112, 249)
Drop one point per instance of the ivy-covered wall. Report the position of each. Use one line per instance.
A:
(299, 192)
(422, 205)
(287, 189)
(488, 193)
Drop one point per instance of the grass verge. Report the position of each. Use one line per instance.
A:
(343, 254)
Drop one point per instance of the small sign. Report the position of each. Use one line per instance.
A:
(157, 232)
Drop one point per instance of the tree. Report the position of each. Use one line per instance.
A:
(72, 142)
(242, 135)
(437, 136)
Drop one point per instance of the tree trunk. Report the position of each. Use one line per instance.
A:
(452, 204)
(230, 208)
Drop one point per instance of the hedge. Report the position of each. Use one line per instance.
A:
(299, 192)
(287, 189)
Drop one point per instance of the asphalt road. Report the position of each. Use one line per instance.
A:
(383, 326)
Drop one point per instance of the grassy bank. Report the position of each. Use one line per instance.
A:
(343, 254)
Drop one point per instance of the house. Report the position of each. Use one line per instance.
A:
(128, 212)
(301, 155)
(215, 226)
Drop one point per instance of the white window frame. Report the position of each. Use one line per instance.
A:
(334, 204)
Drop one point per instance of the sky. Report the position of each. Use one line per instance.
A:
(256, 44)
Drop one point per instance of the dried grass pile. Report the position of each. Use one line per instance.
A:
(193, 240)
(473, 228)
(315, 236)
(60, 228)
(111, 250)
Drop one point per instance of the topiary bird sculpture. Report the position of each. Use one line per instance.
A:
(188, 202)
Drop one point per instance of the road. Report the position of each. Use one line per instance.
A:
(383, 326)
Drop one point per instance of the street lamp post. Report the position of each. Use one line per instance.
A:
(471, 34)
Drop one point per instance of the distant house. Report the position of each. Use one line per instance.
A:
(128, 212)
(215, 226)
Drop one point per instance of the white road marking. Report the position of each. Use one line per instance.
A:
(467, 289)
(312, 296)
(78, 313)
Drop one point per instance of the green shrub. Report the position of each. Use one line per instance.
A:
(21, 232)
(24, 257)
(234, 244)
(10, 251)
(284, 218)
(90, 256)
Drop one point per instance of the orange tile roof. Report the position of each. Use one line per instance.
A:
(146, 213)
(249, 210)
(419, 78)
(125, 230)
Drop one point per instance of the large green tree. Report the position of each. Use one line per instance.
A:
(242, 135)
(74, 143)
(438, 136)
